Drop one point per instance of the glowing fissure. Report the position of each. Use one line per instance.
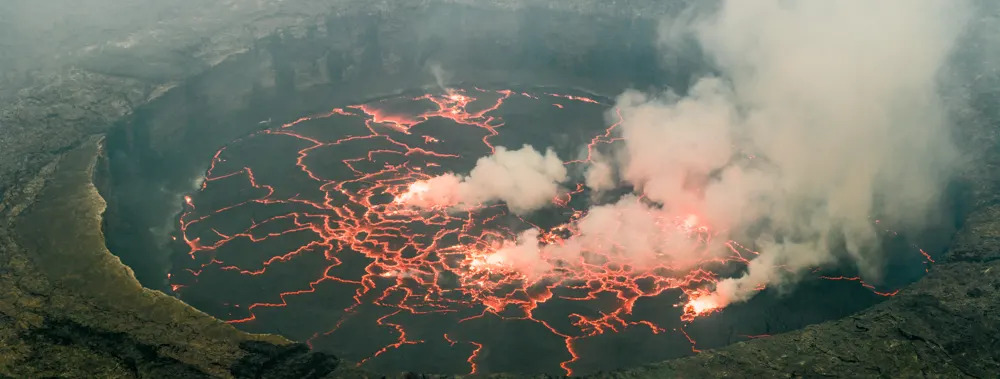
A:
(439, 260)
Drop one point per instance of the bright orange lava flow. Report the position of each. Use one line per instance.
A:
(427, 262)
(700, 304)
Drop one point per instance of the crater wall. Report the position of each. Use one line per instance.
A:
(943, 325)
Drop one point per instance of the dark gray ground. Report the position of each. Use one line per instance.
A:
(69, 308)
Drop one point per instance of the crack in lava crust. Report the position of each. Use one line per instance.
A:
(331, 200)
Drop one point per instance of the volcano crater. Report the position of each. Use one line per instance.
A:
(261, 192)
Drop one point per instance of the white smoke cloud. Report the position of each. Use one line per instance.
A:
(840, 101)
(630, 232)
(524, 179)
(821, 117)
(672, 143)
(523, 256)
(599, 175)
(441, 77)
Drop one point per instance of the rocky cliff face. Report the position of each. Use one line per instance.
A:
(69, 307)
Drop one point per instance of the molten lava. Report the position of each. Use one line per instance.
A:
(361, 250)
(701, 303)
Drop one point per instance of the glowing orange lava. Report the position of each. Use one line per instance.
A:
(700, 304)
(417, 262)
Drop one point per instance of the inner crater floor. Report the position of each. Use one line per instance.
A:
(294, 229)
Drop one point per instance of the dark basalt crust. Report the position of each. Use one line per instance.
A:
(261, 359)
(68, 307)
(265, 360)
(135, 358)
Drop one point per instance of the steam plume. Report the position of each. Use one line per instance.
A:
(525, 179)
(825, 115)
(441, 77)
(599, 175)
(822, 116)
(839, 101)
